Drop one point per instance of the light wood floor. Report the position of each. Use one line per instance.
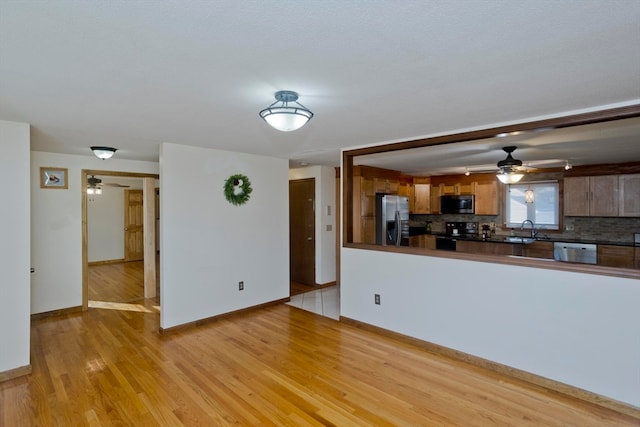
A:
(272, 366)
(118, 282)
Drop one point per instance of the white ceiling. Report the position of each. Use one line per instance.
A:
(135, 74)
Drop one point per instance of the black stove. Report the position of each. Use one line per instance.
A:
(456, 231)
(465, 229)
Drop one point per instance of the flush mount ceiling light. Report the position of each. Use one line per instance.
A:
(283, 116)
(103, 152)
(509, 167)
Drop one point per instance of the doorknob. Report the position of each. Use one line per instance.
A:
(309, 238)
(126, 228)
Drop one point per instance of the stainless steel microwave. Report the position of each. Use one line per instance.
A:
(462, 204)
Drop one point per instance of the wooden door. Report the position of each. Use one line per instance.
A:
(302, 231)
(133, 226)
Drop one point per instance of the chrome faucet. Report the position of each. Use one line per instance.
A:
(533, 229)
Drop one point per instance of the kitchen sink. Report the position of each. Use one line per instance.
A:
(517, 239)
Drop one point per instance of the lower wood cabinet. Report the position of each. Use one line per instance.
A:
(616, 256)
(488, 248)
(425, 241)
(538, 249)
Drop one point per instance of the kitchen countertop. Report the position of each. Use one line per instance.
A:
(501, 239)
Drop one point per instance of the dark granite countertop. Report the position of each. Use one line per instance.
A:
(502, 238)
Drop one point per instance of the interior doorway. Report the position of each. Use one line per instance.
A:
(127, 276)
(302, 241)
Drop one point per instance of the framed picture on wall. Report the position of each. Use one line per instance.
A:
(53, 178)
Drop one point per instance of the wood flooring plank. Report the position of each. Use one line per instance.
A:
(274, 366)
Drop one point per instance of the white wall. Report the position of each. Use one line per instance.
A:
(14, 246)
(325, 179)
(56, 228)
(208, 245)
(579, 329)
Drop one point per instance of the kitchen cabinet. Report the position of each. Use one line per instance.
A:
(486, 198)
(538, 249)
(364, 210)
(425, 241)
(456, 189)
(629, 192)
(385, 185)
(435, 199)
(591, 196)
(421, 195)
(616, 256)
(487, 248)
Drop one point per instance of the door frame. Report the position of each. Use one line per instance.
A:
(85, 236)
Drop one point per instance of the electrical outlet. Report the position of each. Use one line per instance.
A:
(376, 299)
(241, 286)
(568, 227)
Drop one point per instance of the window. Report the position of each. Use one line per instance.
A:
(543, 209)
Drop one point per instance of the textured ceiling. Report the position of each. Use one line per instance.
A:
(135, 74)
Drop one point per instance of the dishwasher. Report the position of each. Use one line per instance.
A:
(584, 253)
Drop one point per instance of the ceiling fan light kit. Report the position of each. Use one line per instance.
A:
(509, 172)
(103, 153)
(286, 117)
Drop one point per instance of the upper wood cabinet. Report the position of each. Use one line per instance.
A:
(421, 195)
(486, 200)
(629, 191)
(456, 188)
(435, 199)
(386, 185)
(591, 196)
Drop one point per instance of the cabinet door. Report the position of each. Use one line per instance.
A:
(629, 195)
(616, 256)
(435, 199)
(538, 250)
(576, 196)
(448, 190)
(604, 195)
(386, 186)
(422, 199)
(486, 200)
(369, 230)
(368, 197)
(464, 188)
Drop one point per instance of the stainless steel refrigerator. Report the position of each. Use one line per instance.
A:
(392, 220)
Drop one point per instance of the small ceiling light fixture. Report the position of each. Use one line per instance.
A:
(467, 172)
(103, 152)
(509, 172)
(285, 117)
(567, 166)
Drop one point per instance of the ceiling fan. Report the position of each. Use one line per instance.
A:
(510, 169)
(94, 185)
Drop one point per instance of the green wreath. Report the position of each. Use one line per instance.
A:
(237, 189)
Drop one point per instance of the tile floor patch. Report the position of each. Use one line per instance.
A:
(325, 302)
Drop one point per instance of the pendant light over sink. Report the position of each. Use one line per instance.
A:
(509, 168)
